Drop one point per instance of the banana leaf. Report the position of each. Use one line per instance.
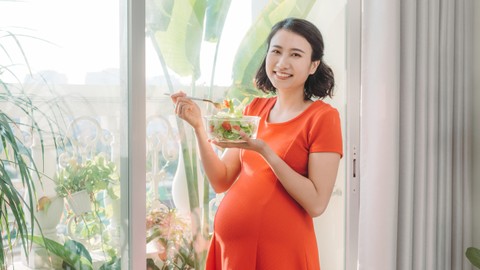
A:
(180, 42)
(215, 19)
(158, 14)
(252, 49)
(178, 47)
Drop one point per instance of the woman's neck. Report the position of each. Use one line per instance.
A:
(291, 101)
(287, 107)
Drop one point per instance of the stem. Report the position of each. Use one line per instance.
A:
(214, 67)
(191, 177)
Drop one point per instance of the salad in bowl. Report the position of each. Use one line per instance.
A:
(227, 125)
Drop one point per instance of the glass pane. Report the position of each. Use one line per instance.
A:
(183, 53)
(62, 89)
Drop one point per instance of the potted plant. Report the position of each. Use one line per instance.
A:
(21, 120)
(169, 238)
(80, 181)
(75, 255)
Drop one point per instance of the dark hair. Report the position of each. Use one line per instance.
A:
(320, 84)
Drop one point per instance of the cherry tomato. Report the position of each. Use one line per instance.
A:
(226, 125)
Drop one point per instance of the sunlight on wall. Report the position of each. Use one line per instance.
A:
(329, 16)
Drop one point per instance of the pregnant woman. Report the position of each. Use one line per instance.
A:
(275, 184)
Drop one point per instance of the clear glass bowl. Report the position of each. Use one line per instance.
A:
(227, 129)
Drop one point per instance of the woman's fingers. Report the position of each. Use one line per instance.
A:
(177, 95)
(183, 105)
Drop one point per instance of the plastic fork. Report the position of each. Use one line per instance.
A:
(217, 105)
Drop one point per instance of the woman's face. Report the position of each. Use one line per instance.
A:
(288, 63)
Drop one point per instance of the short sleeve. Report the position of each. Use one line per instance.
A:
(326, 133)
(256, 106)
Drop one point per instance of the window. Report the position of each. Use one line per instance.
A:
(72, 64)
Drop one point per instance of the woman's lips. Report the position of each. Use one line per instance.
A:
(282, 75)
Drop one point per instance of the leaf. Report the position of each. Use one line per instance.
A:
(151, 265)
(114, 264)
(473, 255)
(71, 253)
(180, 43)
(215, 19)
(252, 49)
(158, 14)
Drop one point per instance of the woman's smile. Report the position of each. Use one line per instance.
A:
(288, 61)
(282, 75)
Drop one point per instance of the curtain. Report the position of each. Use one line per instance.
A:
(416, 135)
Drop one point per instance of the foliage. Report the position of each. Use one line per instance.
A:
(473, 255)
(74, 255)
(93, 175)
(19, 125)
(169, 239)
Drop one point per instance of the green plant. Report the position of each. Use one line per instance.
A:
(18, 169)
(93, 175)
(169, 239)
(74, 255)
(473, 255)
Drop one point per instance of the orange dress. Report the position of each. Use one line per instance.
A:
(258, 225)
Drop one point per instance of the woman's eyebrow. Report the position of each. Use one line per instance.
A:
(293, 49)
(297, 50)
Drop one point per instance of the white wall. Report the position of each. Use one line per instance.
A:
(476, 126)
(329, 16)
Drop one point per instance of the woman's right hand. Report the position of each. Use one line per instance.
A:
(187, 109)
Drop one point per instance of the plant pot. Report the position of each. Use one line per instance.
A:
(80, 202)
(49, 218)
(180, 194)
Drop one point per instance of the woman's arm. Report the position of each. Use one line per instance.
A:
(221, 172)
(312, 193)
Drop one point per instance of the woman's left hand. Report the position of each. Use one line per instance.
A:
(256, 145)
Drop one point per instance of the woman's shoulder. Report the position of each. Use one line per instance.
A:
(258, 104)
(262, 100)
(322, 107)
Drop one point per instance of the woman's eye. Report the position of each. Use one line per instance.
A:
(296, 55)
(275, 51)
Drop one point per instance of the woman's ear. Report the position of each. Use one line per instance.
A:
(314, 66)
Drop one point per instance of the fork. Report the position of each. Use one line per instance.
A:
(217, 105)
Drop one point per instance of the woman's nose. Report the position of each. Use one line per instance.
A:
(282, 62)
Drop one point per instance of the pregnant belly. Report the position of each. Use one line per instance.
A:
(260, 208)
